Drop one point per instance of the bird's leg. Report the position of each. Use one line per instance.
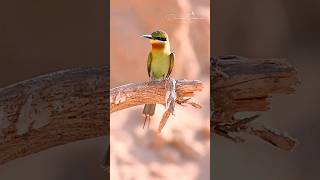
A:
(151, 79)
(171, 95)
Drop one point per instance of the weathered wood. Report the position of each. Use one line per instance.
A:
(72, 105)
(130, 95)
(244, 85)
(67, 106)
(52, 110)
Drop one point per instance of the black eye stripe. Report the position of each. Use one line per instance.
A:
(160, 38)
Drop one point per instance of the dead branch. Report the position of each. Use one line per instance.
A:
(72, 105)
(244, 85)
(52, 110)
(134, 94)
(67, 106)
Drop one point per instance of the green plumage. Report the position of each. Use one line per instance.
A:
(160, 63)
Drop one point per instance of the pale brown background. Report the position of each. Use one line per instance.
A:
(38, 37)
(273, 29)
(138, 153)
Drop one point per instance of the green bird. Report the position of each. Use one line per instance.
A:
(160, 64)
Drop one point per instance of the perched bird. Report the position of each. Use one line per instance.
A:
(159, 65)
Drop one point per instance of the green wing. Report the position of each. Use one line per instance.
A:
(171, 64)
(149, 63)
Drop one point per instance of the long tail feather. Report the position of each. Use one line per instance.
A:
(145, 120)
(148, 111)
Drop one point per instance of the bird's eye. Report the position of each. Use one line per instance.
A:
(161, 38)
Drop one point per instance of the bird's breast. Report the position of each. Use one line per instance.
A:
(160, 65)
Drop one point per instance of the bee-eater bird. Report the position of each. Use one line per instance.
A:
(160, 63)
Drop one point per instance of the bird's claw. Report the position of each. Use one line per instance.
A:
(153, 80)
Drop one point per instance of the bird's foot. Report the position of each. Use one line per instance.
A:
(153, 80)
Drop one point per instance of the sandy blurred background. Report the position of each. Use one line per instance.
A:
(273, 29)
(38, 37)
(182, 150)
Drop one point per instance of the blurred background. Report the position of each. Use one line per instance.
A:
(39, 37)
(273, 29)
(182, 150)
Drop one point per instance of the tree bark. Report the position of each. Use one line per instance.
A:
(245, 85)
(72, 105)
(67, 106)
(130, 95)
(52, 110)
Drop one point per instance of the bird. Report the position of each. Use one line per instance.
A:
(159, 65)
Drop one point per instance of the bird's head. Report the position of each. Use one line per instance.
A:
(159, 40)
(157, 37)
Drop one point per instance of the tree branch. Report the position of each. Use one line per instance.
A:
(130, 95)
(67, 106)
(242, 85)
(72, 105)
(52, 110)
